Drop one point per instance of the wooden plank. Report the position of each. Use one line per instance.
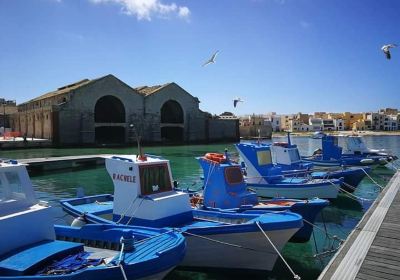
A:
(389, 234)
(384, 251)
(380, 274)
(354, 261)
(378, 258)
(384, 255)
(363, 276)
(382, 266)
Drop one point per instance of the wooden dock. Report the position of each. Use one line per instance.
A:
(372, 250)
(38, 165)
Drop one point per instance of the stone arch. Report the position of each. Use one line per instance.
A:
(172, 122)
(109, 109)
(109, 117)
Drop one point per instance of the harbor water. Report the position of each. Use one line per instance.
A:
(306, 259)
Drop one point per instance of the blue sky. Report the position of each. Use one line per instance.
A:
(278, 55)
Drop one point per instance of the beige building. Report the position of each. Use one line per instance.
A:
(251, 126)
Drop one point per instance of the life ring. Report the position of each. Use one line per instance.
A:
(220, 158)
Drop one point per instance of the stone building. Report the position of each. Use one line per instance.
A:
(106, 110)
(7, 109)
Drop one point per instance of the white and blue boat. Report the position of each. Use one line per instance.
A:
(332, 154)
(269, 180)
(144, 195)
(355, 145)
(32, 248)
(225, 190)
(287, 156)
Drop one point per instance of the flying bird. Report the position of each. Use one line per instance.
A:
(236, 100)
(386, 49)
(211, 60)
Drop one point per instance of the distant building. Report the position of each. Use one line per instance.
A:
(108, 111)
(389, 111)
(252, 126)
(316, 124)
(338, 124)
(275, 121)
(7, 109)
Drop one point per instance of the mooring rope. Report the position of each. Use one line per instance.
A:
(295, 276)
(350, 194)
(333, 237)
(134, 212)
(395, 166)
(349, 186)
(120, 261)
(210, 171)
(355, 196)
(372, 179)
(126, 211)
(220, 242)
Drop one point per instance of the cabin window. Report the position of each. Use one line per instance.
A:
(233, 175)
(154, 179)
(294, 155)
(15, 189)
(264, 157)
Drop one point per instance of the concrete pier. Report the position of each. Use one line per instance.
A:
(372, 250)
(38, 165)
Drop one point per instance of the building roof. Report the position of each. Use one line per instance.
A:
(146, 90)
(61, 90)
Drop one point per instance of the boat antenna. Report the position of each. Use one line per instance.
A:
(138, 138)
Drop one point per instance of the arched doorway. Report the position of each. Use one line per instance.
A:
(172, 122)
(109, 117)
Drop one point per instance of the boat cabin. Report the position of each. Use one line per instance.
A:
(20, 211)
(257, 158)
(285, 153)
(144, 192)
(330, 148)
(224, 186)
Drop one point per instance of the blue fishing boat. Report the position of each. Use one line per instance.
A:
(225, 190)
(355, 145)
(269, 180)
(33, 248)
(287, 156)
(332, 154)
(144, 195)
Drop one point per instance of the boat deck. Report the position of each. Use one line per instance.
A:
(373, 248)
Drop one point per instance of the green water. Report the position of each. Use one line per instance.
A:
(340, 217)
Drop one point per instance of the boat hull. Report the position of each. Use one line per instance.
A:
(307, 191)
(253, 254)
(204, 241)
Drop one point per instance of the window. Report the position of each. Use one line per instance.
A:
(233, 175)
(16, 190)
(264, 157)
(154, 179)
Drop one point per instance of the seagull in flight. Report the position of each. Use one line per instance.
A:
(236, 100)
(211, 60)
(386, 48)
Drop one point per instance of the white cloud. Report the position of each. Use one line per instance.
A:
(184, 12)
(146, 9)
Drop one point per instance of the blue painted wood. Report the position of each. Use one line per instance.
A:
(28, 258)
